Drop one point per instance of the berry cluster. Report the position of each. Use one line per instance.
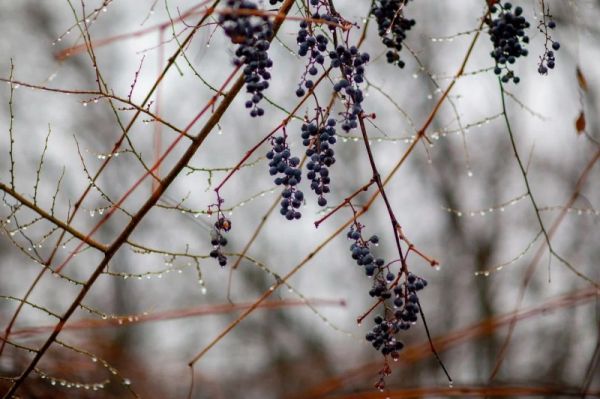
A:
(252, 34)
(383, 336)
(282, 163)
(218, 239)
(317, 47)
(352, 64)
(319, 140)
(361, 253)
(313, 44)
(392, 27)
(547, 60)
(507, 32)
(406, 305)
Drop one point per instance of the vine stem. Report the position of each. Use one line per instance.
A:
(345, 202)
(377, 179)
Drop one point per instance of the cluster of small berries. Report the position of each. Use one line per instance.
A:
(282, 163)
(352, 64)
(361, 253)
(317, 47)
(507, 32)
(252, 34)
(319, 140)
(218, 239)
(383, 336)
(547, 61)
(392, 27)
(406, 305)
(313, 44)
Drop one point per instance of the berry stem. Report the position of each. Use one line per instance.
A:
(345, 202)
(377, 178)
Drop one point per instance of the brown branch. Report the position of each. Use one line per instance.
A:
(205, 310)
(66, 227)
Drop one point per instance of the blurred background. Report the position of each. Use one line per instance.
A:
(461, 199)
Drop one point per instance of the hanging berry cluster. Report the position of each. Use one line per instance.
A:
(252, 34)
(392, 27)
(398, 316)
(507, 32)
(282, 163)
(547, 60)
(319, 140)
(352, 64)
(373, 267)
(312, 43)
(218, 240)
